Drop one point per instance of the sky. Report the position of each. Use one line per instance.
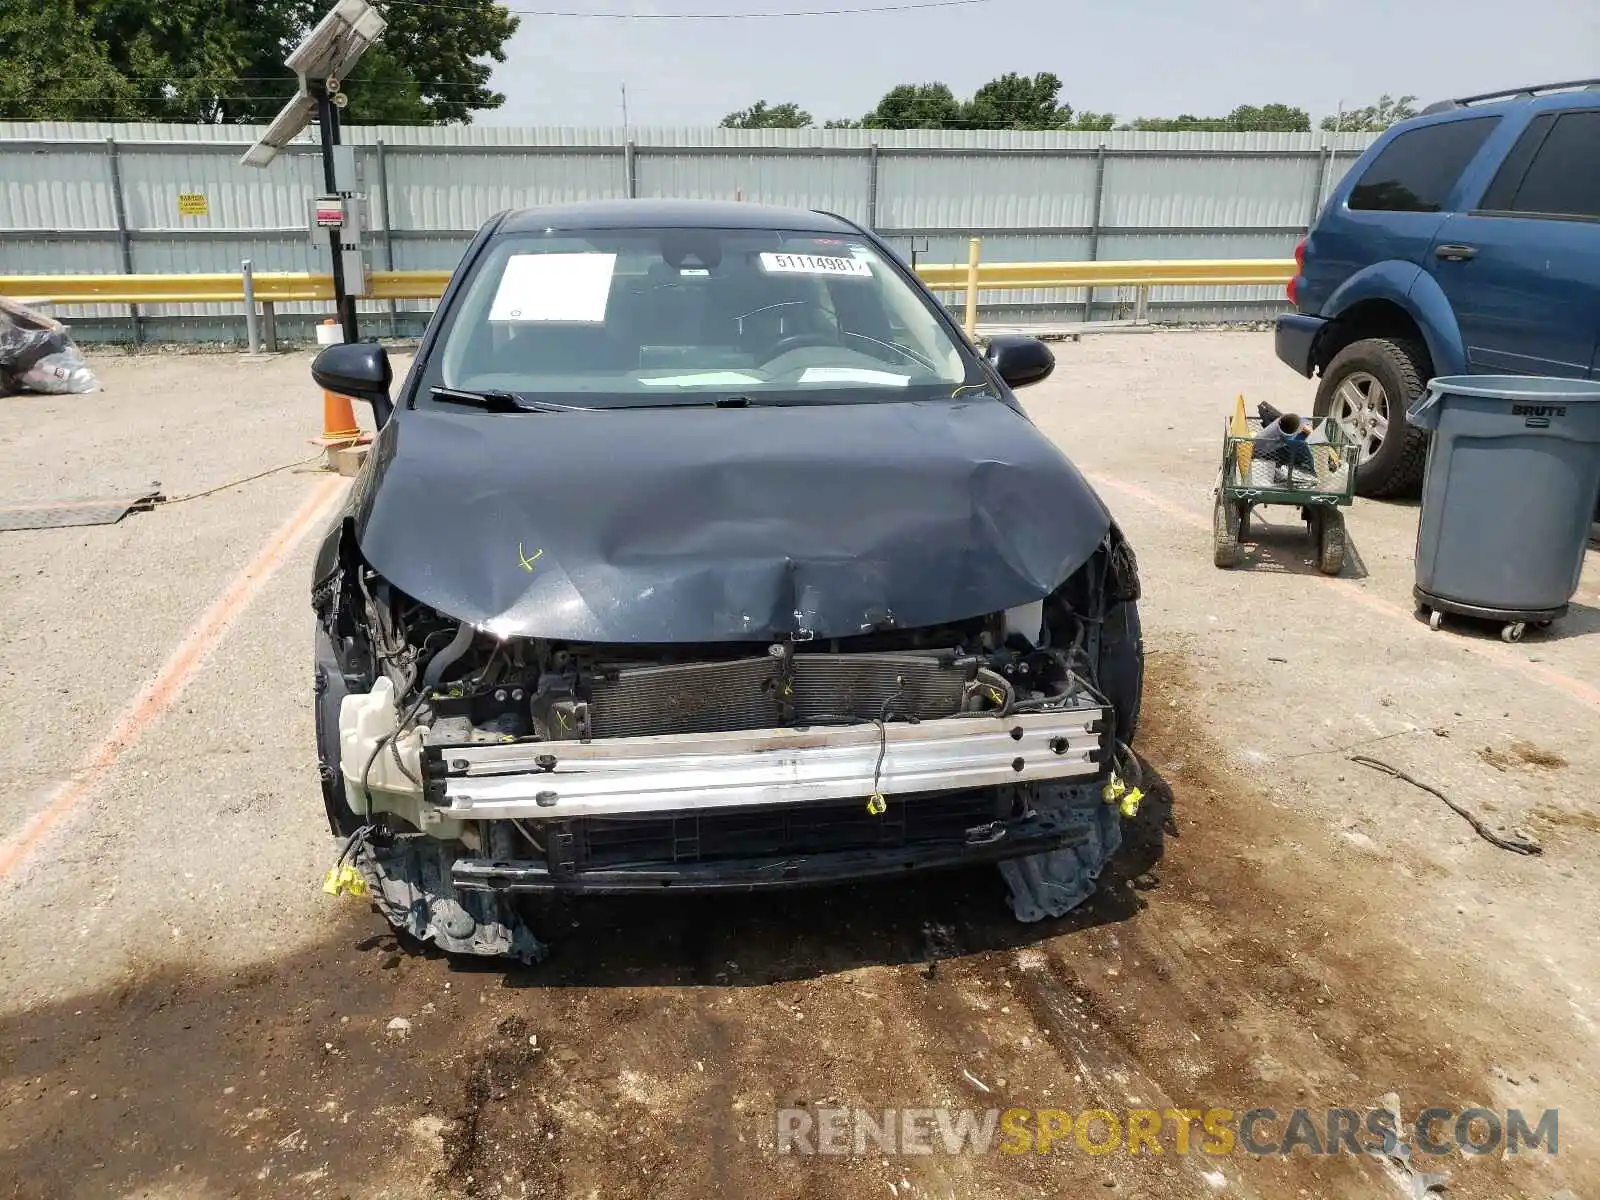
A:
(1131, 57)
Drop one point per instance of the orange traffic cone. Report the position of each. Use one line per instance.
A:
(339, 427)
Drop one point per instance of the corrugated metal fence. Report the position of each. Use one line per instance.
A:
(103, 198)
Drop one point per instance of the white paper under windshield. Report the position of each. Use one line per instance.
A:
(554, 287)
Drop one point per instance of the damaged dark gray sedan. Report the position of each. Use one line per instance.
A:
(700, 550)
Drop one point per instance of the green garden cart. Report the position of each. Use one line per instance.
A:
(1315, 474)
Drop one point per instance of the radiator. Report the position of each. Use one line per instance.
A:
(720, 697)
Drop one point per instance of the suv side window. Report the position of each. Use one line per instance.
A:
(1415, 172)
(1554, 169)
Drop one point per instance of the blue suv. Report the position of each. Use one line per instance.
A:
(1465, 240)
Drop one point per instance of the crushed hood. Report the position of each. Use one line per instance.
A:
(704, 524)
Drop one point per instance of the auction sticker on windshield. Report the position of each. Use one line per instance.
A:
(554, 287)
(813, 264)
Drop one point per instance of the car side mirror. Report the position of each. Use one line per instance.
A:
(1019, 360)
(360, 370)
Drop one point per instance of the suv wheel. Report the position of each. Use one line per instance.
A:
(1367, 388)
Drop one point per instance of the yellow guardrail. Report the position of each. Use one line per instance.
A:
(974, 276)
(994, 277)
(270, 287)
(282, 287)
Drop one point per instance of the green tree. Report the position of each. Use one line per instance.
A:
(1182, 123)
(1010, 102)
(1375, 118)
(1247, 118)
(843, 123)
(1017, 102)
(55, 70)
(216, 61)
(442, 54)
(760, 116)
(916, 106)
(1269, 118)
(1093, 121)
(385, 92)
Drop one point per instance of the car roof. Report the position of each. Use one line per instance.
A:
(675, 214)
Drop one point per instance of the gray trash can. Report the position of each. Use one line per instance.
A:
(1507, 497)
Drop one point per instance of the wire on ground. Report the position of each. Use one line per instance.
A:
(1514, 844)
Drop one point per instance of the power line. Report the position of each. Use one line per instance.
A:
(910, 6)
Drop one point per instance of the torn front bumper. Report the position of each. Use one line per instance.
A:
(754, 850)
(774, 807)
(678, 773)
(750, 811)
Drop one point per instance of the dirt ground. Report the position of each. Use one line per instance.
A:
(184, 1013)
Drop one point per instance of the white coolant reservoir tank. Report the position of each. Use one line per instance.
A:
(364, 718)
(1028, 620)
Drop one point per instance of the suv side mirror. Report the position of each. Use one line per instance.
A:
(360, 370)
(1019, 360)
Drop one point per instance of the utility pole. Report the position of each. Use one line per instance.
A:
(323, 58)
(344, 304)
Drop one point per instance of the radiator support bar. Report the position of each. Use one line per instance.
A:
(533, 781)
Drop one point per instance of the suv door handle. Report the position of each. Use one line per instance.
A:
(1455, 252)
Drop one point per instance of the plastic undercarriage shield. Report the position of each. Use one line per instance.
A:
(1055, 882)
(409, 881)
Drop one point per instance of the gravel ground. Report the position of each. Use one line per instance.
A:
(185, 1014)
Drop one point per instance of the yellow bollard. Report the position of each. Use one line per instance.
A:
(971, 323)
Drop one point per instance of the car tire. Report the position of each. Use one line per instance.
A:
(1400, 368)
(1225, 551)
(328, 686)
(1329, 529)
(1121, 670)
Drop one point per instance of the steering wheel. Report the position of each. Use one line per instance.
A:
(795, 341)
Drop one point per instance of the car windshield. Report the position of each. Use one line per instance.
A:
(629, 317)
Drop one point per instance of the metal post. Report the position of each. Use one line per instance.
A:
(388, 235)
(1141, 304)
(872, 186)
(269, 327)
(251, 345)
(344, 305)
(970, 324)
(124, 239)
(1094, 222)
(630, 169)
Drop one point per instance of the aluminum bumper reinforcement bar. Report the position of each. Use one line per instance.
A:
(685, 772)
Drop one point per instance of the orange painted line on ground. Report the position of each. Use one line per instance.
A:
(157, 696)
(1494, 652)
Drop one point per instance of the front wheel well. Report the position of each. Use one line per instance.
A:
(1369, 319)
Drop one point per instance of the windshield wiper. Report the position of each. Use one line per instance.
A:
(495, 401)
(904, 351)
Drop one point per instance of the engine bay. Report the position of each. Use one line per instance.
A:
(485, 689)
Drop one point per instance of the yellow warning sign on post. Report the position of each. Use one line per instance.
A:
(193, 204)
